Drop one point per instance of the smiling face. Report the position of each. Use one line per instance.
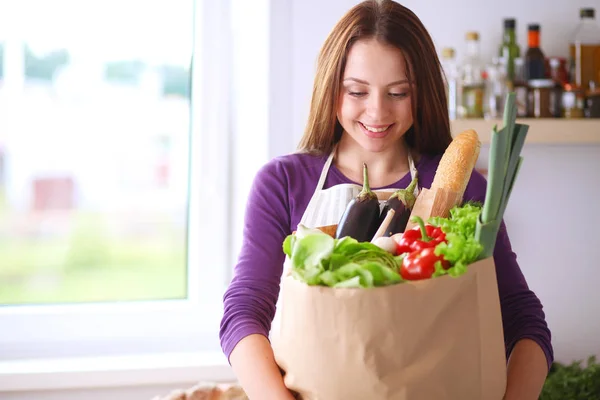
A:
(374, 106)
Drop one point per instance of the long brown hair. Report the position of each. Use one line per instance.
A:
(394, 24)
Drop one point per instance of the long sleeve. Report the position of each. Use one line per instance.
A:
(522, 312)
(249, 301)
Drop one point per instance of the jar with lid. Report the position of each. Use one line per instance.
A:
(592, 102)
(520, 87)
(573, 102)
(543, 100)
(558, 70)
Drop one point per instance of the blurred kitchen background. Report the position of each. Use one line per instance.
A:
(545, 86)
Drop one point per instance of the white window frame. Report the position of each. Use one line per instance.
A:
(160, 342)
(190, 325)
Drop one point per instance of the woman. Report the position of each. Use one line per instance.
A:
(378, 98)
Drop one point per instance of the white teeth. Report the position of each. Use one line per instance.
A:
(370, 128)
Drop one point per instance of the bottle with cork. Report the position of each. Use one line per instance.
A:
(472, 85)
(451, 74)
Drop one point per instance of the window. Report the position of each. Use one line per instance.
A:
(95, 154)
(115, 176)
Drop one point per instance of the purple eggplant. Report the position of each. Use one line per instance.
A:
(402, 202)
(360, 220)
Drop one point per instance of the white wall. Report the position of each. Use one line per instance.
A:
(556, 256)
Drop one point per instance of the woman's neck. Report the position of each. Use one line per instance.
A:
(385, 167)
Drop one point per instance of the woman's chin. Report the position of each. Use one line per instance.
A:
(375, 145)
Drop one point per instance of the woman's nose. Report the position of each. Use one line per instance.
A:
(377, 107)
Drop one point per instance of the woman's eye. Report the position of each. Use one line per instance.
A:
(356, 94)
(394, 95)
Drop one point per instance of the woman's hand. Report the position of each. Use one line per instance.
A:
(254, 365)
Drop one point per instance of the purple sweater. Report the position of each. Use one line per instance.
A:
(277, 200)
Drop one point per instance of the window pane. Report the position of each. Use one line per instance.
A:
(94, 142)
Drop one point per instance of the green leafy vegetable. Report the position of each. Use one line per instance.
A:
(573, 381)
(311, 250)
(461, 248)
(319, 259)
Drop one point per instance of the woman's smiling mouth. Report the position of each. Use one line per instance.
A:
(375, 131)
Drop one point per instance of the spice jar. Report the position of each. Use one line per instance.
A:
(592, 109)
(558, 70)
(542, 101)
(520, 88)
(573, 102)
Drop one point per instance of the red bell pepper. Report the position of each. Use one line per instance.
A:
(420, 264)
(420, 237)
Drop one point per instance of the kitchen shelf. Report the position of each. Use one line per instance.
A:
(541, 131)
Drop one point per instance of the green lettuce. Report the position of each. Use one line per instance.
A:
(462, 247)
(318, 259)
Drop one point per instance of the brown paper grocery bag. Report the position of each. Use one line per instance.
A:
(437, 339)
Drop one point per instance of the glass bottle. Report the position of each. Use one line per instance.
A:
(509, 49)
(450, 69)
(585, 50)
(535, 61)
(472, 86)
(495, 89)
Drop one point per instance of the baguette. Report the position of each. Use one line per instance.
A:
(457, 163)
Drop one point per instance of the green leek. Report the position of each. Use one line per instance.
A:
(504, 164)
